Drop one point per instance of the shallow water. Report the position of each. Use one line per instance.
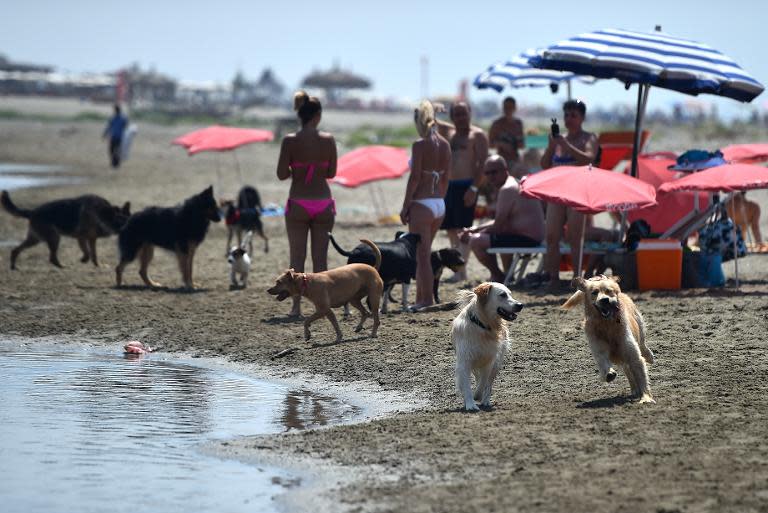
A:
(18, 176)
(88, 430)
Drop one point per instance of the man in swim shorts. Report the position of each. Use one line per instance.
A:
(519, 221)
(469, 149)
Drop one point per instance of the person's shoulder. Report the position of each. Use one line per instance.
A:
(326, 135)
(497, 122)
(476, 131)
(510, 187)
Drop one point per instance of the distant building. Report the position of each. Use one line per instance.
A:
(267, 90)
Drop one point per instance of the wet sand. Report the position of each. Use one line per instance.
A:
(556, 440)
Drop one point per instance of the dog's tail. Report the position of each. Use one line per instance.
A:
(12, 209)
(376, 252)
(575, 299)
(339, 248)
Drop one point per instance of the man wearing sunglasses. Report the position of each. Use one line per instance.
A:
(518, 222)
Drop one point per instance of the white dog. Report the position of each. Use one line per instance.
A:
(480, 337)
(239, 263)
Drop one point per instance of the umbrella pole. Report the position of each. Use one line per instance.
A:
(735, 246)
(237, 166)
(581, 245)
(642, 100)
(218, 176)
(568, 88)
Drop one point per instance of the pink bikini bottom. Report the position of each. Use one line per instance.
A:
(313, 207)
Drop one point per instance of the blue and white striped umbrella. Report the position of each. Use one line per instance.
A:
(516, 72)
(654, 59)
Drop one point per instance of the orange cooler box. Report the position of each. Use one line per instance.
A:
(659, 264)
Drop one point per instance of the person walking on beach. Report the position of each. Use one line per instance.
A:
(308, 158)
(469, 149)
(115, 130)
(577, 148)
(423, 206)
(506, 134)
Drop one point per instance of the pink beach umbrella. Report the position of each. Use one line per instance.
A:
(745, 153)
(589, 190)
(725, 178)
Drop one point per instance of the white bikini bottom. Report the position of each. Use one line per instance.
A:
(435, 205)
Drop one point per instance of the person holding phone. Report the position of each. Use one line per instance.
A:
(576, 148)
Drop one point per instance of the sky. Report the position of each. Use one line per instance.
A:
(385, 41)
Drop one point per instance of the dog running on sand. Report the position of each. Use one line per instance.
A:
(480, 337)
(615, 330)
(334, 288)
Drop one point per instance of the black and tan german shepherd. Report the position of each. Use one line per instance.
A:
(85, 218)
(180, 229)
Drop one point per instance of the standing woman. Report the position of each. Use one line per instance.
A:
(423, 206)
(308, 158)
(577, 148)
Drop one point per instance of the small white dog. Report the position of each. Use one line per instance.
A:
(239, 263)
(480, 337)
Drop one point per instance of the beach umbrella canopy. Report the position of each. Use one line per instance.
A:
(369, 164)
(589, 189)
(725, 178)
(517, 72)
(757, 152)
(221, 138)
(650, 59)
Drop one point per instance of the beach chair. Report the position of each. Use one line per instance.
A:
(617, 146)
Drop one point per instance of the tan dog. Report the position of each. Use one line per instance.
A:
(480, 337)
(334, 288)
(745, 214)
(615, 330)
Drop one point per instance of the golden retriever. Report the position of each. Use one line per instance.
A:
(480, 338)
(615, 330)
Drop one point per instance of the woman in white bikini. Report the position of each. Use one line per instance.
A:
(423, 206)
(308, 158)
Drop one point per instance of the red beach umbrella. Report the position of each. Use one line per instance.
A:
(221, 138)
(589, 190)
(369, 164)
(725, 178)
(757, 152)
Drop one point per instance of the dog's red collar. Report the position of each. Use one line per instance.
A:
(304, 283)
(233, 217)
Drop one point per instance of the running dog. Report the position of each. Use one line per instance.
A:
(330, 289)
(85, 218)
(180, 229)
(244, 217)
(480, 337)
(615, 330)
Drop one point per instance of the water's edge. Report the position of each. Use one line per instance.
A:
(312, 481)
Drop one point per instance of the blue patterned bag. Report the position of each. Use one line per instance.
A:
(717, 236)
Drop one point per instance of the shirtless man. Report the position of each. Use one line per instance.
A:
(519, 221)
(469, 149)
(506, 133)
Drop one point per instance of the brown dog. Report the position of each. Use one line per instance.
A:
(334, 288)
(615, 330)
(745, 214)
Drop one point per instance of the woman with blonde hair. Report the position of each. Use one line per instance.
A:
(423, 206)
(308, 158)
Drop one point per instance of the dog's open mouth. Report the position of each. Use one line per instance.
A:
(507, 316)
(283, 294)
(607, 311)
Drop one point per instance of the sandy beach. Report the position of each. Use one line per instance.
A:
(556, 440)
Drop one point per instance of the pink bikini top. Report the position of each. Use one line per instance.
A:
(310, 167)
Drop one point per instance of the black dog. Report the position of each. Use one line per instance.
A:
(85, 218)
(440, 259)
(398, 262)
(244, 217)
(180, 229)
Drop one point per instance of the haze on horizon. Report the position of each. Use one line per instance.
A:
(212, 42)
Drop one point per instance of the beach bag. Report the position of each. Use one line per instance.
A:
(717, 236)
(709, 270)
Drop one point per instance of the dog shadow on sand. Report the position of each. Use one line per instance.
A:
(162, 288)
(606, 402)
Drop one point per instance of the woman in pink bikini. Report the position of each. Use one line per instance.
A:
(308, 158)
(423, 206)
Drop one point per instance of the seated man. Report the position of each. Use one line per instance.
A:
(519, 221)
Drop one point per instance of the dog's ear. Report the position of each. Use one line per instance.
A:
(615, 278)
(127, 208)
(579, 284)
(482, 292)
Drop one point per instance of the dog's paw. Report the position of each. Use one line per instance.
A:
(473, 408)
(610, 376)
(646, 399)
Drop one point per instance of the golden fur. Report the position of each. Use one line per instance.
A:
(334, 288)
(615, 330)
(746, 214)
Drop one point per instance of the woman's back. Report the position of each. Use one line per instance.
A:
(431, 156)
(309, 157)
